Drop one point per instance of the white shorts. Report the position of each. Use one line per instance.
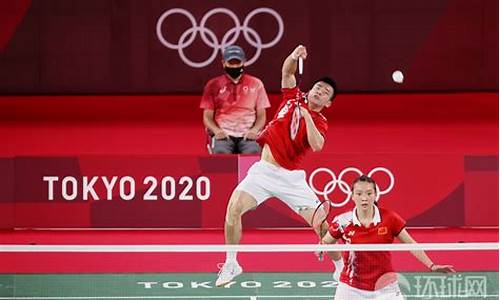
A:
(347, 292)
(265, 180)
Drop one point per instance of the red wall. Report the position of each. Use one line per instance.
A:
(464, 123)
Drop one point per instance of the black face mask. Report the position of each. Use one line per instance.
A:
(234, 72)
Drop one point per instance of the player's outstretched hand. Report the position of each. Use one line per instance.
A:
(443, 269)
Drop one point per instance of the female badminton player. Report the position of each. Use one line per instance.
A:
(369, 274)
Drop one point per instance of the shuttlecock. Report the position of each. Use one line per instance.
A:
(397, 76)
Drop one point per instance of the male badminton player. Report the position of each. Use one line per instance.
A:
(297, 126)
(369, 274)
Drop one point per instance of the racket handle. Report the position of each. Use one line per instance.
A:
(301, 65)
(320, 256)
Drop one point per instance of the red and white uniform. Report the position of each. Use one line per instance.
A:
(235, 104)
(364, 270)
(287, 152)
(285, 182)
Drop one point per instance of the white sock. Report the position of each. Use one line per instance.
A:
(231, 256)
(339, 264)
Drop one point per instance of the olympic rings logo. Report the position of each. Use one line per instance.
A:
(344, 186)
(211, 40)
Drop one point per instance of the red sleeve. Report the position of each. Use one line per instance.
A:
(289, 93)
(398, 224)
(208, 100)
(336, 230)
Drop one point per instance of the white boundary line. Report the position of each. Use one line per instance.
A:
(250, 247)
(218, 297)
(172, 297)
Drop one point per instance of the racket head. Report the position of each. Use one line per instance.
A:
(320, 215)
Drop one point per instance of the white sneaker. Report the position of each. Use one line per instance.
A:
(227, 273)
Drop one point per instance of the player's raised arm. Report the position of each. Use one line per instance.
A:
(290, 66)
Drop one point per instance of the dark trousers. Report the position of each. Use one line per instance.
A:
(234, 145)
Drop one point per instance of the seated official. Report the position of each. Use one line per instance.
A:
(234, 107)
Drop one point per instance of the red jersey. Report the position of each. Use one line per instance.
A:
(235, 104)
(363, 269)
(289, 153)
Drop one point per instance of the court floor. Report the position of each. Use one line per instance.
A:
(250, 286)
